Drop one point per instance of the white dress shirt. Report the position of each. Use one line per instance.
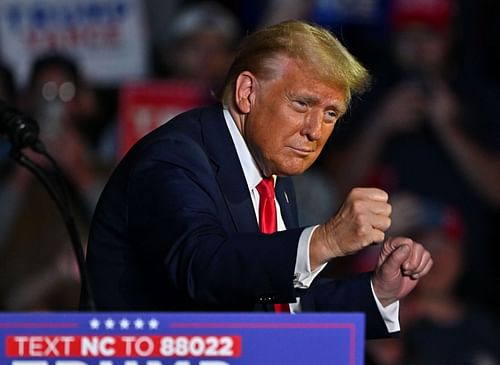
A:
(303, 276)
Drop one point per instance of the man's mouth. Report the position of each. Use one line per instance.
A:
(302, 150)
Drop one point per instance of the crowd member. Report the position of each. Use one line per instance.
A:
(201, 214)
(59, 98)
(199, 45)
(440, 327)
(37, 265)
(444, 329)
(428, 129)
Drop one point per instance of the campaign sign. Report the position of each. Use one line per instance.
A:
(106, 37)
(181, 339)
(144, 106)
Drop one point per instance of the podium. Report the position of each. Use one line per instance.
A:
(158, 338)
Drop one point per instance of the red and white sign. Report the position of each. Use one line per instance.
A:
(145, 106)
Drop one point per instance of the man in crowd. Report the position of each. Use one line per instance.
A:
(201, 214)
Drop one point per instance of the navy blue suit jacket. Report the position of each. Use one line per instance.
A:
(175, 230)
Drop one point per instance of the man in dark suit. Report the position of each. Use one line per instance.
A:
(177, 226)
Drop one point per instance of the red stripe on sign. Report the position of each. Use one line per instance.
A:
(34, 346)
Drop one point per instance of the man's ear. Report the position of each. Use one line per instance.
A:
(246, 84)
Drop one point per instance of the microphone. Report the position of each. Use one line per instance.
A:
(22, 130)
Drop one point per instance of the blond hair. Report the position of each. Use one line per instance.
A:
(316, 49)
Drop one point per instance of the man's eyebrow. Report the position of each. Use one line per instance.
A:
(338, 106)
(304, 97)
(311, 98)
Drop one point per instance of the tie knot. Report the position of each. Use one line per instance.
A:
(266, 188)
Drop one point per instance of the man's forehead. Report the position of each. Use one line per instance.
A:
(313, 82)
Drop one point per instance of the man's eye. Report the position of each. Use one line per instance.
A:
(330, 116)
(300, 105)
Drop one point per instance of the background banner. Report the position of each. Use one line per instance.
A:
(106, 37)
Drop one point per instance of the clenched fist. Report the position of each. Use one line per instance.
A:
(402, 262)
(360, 222)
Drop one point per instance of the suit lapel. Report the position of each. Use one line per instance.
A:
(232, 181)
(228, 170)
(286, 199)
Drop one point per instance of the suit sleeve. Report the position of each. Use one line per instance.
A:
(177, 214)
(349, 295)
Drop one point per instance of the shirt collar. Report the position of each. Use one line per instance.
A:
(248, 164)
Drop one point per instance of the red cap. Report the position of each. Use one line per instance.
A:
(434, 13)
(453, 224)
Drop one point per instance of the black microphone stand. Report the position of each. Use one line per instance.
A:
(23, 132)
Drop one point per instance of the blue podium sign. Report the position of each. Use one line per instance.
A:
(180, 339)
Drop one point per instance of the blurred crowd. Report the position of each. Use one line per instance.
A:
(427, 132)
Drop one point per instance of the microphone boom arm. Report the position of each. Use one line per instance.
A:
(22, 132)
(61, 199)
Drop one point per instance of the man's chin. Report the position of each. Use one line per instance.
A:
(293, 170)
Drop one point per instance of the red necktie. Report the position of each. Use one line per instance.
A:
(267, 220)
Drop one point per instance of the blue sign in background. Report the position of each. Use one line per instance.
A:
(180, 339)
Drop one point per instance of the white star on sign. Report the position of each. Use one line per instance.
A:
(109, 324)
(124, 324)
(94, 323)
(153, 324)
(139, 324)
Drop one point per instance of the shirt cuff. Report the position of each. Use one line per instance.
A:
(303, 276)
(390, 313)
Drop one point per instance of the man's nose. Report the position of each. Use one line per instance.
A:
(312, 126)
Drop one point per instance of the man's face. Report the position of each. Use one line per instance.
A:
(290, 119)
